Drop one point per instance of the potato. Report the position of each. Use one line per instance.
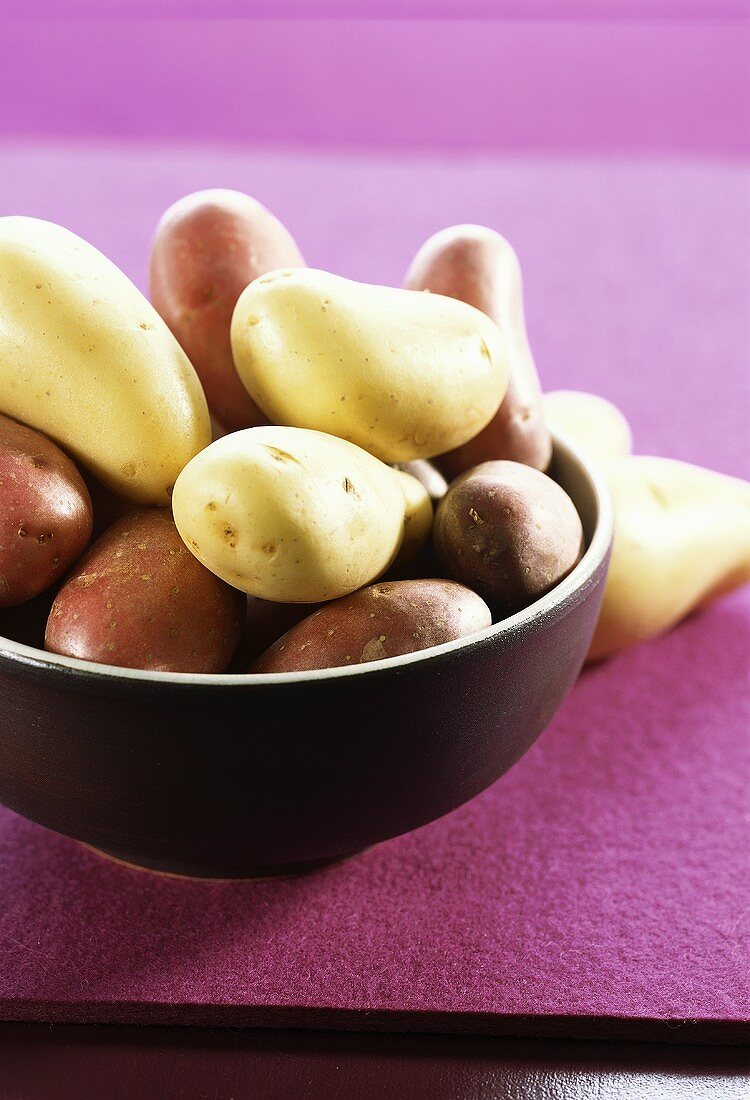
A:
(402, 375)
(290, 515)
(509, 532)
(381, 621)
(682, 538)
(591, 421)
(87, 360)
(139, 599)
(417, 517)
(208, 247)
(45, 513)
(478, 266)
(435, 484)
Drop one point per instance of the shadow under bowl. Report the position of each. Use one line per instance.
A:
(240, 776)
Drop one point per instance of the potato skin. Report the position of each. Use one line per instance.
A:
(87, 360)
(478, 266)
(400, 374)
(509, 532)
(681, 540)
(290, 515)
(208, 246)
(139, 599)
(381, 621)
(428, 475)
(45, 513)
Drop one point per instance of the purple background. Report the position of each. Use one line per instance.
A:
(602, 879)
(607, 85)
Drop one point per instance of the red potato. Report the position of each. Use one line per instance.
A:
(208, 247)
(383, 620)
(45, 513)
(509, 532)
(479, 266)
(139, 599)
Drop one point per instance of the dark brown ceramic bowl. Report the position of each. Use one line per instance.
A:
(235, 776)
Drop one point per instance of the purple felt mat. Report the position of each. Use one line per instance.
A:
(601, 886)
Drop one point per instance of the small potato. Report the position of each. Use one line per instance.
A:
(139, 599)
(682, 538)
(290, 515)
(400, 374)
(45, 513)
(435, 484)
(208, 247)
(509, 532)
(417, 518)
(478, 266)
(381, 621)
(87, 360)
(589, 420)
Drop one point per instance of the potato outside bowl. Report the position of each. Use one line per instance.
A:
(239, 776)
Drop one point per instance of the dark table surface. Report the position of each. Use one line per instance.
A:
(88, 1062)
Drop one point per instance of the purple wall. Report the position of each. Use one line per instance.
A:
(630, 85)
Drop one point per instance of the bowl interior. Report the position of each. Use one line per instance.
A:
(571, 467)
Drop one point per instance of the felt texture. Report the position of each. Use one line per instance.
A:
(600, 886)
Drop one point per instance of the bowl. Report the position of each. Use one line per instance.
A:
(239, 776)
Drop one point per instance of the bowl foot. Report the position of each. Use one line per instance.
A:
(168, 869)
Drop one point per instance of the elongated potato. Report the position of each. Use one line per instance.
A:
(88, 361)
(139, 599)
(402, 375)
(45, 513)
(478, 266)
(384, 620)
(682, 538)
(290, 515)
(590, 420)
(208, 247)
(509, 532)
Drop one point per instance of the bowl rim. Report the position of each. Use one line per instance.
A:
(595, 553)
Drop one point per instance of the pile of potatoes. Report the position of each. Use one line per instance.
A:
(282, 470)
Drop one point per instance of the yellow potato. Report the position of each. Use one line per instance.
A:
(682, 538)
(400, 373)
(86, 359)
(417, 517)
(290, 515)
(589, 420)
